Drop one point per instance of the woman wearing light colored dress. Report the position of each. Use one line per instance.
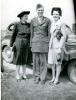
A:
(56, 45)
(40, 29)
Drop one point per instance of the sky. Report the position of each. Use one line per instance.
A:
(11, 8)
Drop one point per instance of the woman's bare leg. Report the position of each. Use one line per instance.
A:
(53, 73)
(24, 71)
(17, 72)
(58, 70)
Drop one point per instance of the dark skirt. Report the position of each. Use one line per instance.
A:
(21, 50)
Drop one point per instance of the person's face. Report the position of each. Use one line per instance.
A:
(24, 18)
(40, 11)
(56, 15)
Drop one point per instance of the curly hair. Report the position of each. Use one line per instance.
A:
(57, 9)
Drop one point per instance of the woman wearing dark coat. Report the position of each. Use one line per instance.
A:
(20, 43)
(40, 28)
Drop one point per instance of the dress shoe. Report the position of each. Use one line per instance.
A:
(37, 80)
(42, 82)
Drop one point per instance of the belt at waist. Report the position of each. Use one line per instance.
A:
(23, 35)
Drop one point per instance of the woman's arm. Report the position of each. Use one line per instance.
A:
(49, 27)
(63, 38)
(14, 34)
(31, 29)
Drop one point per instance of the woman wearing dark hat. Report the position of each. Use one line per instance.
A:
(20, 42)
(40, 26)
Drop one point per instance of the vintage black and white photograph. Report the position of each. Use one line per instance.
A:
(38, 50)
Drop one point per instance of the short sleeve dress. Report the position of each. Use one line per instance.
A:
(55, 45)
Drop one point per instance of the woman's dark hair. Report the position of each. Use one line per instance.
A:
(56, 9)
(39, 6)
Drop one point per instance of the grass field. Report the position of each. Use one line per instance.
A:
(28, 90)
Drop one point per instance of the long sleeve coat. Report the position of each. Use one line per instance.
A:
(40, 35)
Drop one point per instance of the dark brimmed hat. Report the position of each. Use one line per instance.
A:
(23, 13)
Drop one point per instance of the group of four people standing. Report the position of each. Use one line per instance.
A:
(39, 35)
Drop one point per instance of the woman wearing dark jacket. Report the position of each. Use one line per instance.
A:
(40, 28)
(20, 43)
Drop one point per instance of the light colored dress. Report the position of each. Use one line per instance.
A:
(55, 46)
